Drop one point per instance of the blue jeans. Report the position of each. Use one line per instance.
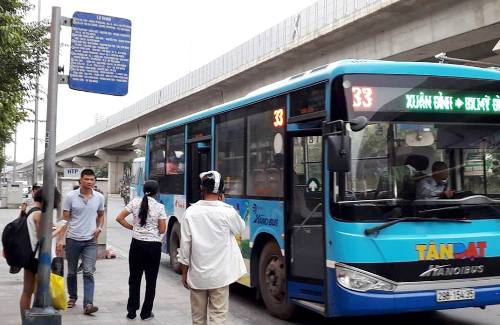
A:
(88, 251)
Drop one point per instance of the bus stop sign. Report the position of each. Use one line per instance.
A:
(100, 54)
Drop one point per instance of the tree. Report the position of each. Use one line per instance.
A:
(23, 56)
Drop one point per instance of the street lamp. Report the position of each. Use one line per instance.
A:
(35, 140)
(35, 113)
(14, 168)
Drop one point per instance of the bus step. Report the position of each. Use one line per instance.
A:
(314, 306)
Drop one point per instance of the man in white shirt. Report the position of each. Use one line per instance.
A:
(210, 257)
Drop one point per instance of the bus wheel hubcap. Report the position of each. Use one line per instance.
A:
(274, 278)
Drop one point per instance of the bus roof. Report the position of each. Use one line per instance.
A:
(330, 71)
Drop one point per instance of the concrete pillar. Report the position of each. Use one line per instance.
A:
(115, 174)
(115, 160)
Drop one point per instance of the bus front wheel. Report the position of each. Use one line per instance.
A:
(173, 247)
(272, 282)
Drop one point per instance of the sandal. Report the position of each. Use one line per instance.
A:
(71, 303)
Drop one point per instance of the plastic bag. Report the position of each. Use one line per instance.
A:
(57, 291)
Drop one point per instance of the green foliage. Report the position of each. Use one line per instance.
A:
(23, 57)
(101, 172)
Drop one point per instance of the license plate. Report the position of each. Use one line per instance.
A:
(455, 294)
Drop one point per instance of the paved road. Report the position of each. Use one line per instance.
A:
(244, 308)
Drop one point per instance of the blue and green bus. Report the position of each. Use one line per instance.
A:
(137, 177)
(335, 172)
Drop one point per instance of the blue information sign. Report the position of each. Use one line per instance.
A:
(100, 54)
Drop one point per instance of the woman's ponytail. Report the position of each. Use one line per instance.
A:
(143, 212)
(150, 189)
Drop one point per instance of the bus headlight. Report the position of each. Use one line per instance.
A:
(360, 281)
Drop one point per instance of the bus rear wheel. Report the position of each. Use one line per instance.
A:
(174, 242)
(272, 282)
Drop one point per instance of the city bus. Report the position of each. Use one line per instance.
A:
(358, 182)
(137, 177)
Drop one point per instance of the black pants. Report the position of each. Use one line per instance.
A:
(143, 257)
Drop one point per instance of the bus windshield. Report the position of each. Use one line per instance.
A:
(432, 148)
(433, 169)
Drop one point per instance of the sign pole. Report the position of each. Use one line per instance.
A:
(42, 311)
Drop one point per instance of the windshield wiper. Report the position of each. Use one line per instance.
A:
(377, 229)
(457, 207)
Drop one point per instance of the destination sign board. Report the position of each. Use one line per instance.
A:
(417, 94)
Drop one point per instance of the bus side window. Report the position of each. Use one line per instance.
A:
(265, 164)
(230, 133)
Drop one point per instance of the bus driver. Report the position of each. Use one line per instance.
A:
(436, 185)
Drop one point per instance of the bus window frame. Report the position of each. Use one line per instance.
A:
(192, 138)
(152, 148)
(167, 179)
(242, 112)
(254, 110)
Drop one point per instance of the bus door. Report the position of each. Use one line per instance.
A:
(305, 224)
(199, 161)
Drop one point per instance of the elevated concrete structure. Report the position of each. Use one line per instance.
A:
(140, 143)
(67, 164)
(88, 162)
(326, 31)
(115, 160)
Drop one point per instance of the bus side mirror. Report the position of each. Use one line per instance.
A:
(338, 147)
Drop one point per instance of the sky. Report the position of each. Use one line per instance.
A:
(169, 39)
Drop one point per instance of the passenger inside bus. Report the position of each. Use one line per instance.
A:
(175, 163)
(415, 167)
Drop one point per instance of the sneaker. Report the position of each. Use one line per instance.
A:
(90, 309)
(131, 316)
(150, 317)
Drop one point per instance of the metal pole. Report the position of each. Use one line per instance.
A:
(35, 137)
(42, 311)
(14, 170)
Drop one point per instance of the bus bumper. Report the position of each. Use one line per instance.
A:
(345, 302)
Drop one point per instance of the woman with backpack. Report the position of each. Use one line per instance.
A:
(149, 222)
(33, 221)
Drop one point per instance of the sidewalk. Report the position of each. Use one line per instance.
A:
(111, 292)
(111, 283)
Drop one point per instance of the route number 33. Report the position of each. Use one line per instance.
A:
(362, 97)
(279, 117)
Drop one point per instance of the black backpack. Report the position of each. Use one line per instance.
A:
(16, 242)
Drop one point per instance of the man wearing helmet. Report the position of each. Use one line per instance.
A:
(210, 257)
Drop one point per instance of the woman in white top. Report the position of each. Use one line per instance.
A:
(33, 222)
(145, 250)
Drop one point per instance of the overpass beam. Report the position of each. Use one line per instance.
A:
(140, 143)
(115, 160)
(66, 164)
(88, 162)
